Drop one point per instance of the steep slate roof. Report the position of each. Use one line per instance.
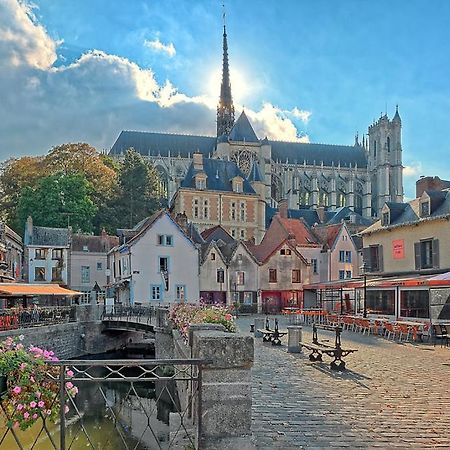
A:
(219, 175)
(411, 213)
(396, 210)
(299, 152)
(242, 130)
(217, 233)
(53, 237)
(310, 216)
(343, 213)
(94, 244)
(255, 174)
(150, 143)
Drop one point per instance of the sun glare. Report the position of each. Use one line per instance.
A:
(240, 89)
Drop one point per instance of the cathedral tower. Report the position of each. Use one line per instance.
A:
(385, 161)
(225, 108)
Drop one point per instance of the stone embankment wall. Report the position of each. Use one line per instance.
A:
(74, 339)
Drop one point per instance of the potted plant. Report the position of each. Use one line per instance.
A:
(29, 384)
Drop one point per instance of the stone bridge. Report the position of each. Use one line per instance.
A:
(135, 318)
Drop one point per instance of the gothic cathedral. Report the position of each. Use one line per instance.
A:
(362, 177)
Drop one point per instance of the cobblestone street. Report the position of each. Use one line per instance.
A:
(392, 395)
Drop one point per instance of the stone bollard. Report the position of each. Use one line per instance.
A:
(294, 338)
(226, 398)
(259, 324)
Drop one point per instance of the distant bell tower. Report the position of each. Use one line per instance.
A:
(225, 108)
(385, 161)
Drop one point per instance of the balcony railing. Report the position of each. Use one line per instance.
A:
(14, 318)
(121, 404)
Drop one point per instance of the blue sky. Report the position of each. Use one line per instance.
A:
(337, 64)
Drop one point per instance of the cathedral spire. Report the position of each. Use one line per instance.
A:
(225, 108)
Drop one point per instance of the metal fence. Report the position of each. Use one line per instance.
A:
(14, 318)
(149, 315)
(121, 404)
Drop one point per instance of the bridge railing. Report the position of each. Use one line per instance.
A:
(150, 315)
(133, 402)
(15, 318)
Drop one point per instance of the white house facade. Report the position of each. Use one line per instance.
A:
(156, 263)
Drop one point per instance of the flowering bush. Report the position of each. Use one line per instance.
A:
(184, 315)
(32, 384)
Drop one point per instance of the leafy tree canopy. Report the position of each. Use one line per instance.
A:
(58, 201)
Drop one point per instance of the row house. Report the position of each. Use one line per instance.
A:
(88, 264)
(155, 262)
(46, 258)
(77, 261)
(270, 276)
(11, 254)
(410, 243)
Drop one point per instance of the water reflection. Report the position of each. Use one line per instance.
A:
(108, 416)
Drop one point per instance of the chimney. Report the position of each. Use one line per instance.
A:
(29, 230)
(198, 160)
(182, 221)
(321, 213)
(283, 208)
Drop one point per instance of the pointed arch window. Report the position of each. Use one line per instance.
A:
(388, 144)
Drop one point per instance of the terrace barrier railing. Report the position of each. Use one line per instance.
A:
(15, 318)
(119, 405)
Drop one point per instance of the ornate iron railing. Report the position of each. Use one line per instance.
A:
(149, 315)
(14, 318)
(117, 407)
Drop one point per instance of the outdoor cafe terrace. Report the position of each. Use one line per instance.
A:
(424, 299)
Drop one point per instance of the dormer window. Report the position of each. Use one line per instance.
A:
(425, 209)
(200, 182)
(385, 220)
(237, 185)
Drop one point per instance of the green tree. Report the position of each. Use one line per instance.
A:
(58, 201)
(137, 184)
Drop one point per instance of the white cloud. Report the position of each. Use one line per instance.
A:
(412, 170)
(274, 123)
(23, 41)
(158, 46)
(97, 96)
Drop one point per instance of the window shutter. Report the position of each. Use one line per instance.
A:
(380, 259)
(366, 259)
(435, 253)
(417, 255)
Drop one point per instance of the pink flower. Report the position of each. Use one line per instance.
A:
(228, 316)
(17, 390)
(19, 407)
(69, 373)
(26, 415)
(38, 394)
(48, 412)
(16, 425)
(41, 404)
(34, 416)
(23, 366)
(46, 354)
(74, 391)
(66, 409)
(33, 404)
(69, 385)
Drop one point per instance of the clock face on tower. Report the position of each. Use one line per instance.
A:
(244, 160)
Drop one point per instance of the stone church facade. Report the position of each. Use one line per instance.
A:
(362, 176)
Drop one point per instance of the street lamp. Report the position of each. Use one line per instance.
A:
(363, 269)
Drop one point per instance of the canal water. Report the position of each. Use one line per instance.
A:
(107, 418)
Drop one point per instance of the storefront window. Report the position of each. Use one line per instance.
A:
(381, 302)
(415, 304)
(248, 298)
